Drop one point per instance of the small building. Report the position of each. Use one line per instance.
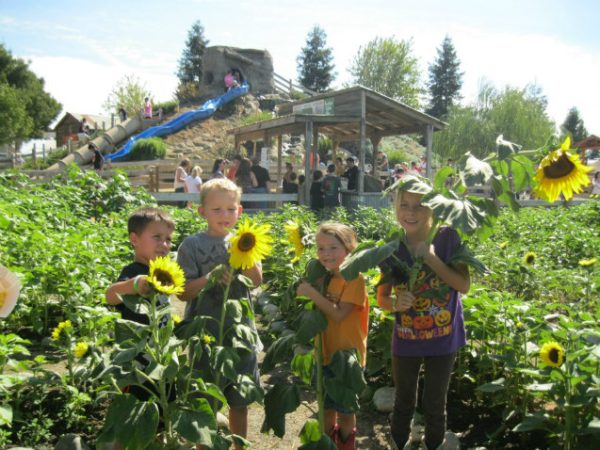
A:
(68, 127)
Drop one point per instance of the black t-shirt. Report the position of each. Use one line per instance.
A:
(130, 271)
(262, 175)
(316, 195)
(352, 175)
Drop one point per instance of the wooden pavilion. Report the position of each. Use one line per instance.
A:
(351, 114)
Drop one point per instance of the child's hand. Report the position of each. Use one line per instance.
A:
(422, 250)
(141, 285)
(221, 274)
(304, 289)
(404, 300)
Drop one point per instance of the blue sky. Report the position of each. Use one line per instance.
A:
(82, 49)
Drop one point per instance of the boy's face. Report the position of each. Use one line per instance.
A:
(154, 241)
(221, 210)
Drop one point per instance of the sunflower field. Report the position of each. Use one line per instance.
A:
(529, 376)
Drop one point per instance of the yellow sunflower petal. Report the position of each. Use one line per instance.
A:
(552, 354)
(561, 172)
(250, 244)
(166, 276)
(81, 348)
(295, 237)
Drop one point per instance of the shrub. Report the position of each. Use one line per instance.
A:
(168, 107)
(396, 156)
(151, 148)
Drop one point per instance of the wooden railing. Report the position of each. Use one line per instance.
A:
(287, 86)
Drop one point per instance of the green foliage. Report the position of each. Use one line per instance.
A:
(25, 108)
(128, 93)
(574, 126)
(519, 114)
(258, 117)
(315, 62)
(445, 80)
(147, 149)
(168, 107)
(190, 68)
(389, 67)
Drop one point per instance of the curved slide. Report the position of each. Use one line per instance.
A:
(180, 122)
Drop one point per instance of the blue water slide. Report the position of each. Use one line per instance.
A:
(206, 110)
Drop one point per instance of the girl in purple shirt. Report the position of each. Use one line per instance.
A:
(429, 327)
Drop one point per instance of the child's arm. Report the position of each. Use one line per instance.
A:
(193, 286)
(457, 278)
(133, 286)
(255, 274)
(404, 298)
(336, 312)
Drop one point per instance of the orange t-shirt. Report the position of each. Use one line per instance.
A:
(352, 331)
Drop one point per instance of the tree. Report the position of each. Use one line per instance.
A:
(445, 80)
(388, 67)
(573, 125)
(128, 93)
(25, 108)
(315, 62)
(518, 114)
(190, 64)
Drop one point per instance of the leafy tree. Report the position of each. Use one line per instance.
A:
(389, 67)
(574, 126)
(190, 64)
(445, 80)
(25, 108)
(128, 93)
(518, 114)
(315, 62)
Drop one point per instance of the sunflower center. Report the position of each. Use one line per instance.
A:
(530, 259)
(554, 355)
(246, 242)
(164, 277)
(559, 168)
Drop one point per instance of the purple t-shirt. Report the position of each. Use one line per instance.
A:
(434, 325)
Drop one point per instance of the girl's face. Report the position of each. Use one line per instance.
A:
(411, 215)
(330, 251)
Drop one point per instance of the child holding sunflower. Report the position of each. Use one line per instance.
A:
(429, 326)
(346, 306)
(202, 257)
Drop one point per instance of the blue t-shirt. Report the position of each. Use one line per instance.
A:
(434, 325)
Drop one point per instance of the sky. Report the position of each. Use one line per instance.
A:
(82, 49)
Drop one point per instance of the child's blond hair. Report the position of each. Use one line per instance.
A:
(219, 184)
(343, 233)
(196, 171)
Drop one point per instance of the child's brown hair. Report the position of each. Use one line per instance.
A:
(139, 219)
(343, 233)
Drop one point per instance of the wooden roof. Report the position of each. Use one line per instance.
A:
(337, 115)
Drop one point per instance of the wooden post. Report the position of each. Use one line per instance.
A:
(34, 155)
(279, 165)
(363, 142)
(308, 135)
(157, 178)
(428, 142)
(315, 149)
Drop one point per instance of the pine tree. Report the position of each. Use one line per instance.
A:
(190, 64)
(315, 66)
(573, 125)
(445, 80)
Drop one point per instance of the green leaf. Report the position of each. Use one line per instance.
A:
(281, 399)
(224, 360)
(314, 271)
(280, 351)
(130, 422)
(593, 427)
(302, 365)
(463, 255)
(539, 387)
(476, 171)
(234, 310)
(460, 214)
(127, 329)
(494, 386)
(411, 183)
(312, 439)
(348, 380)
(523, 172)
(439, 182)
(505, 148)
(365, 259)
(537, 421)
(135, 303)
(6, 415)
(195, 424)
(310, 323)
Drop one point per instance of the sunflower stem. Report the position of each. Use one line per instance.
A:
(220, 337)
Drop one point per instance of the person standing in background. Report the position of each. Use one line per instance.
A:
(147, 108)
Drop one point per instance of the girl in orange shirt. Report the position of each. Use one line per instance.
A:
(346, 306)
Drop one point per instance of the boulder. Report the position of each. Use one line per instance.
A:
(383, 399)
(71, 442)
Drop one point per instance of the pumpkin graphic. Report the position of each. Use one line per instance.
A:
(421, 304)
(443, 318)
(406, 321)
(422, 322)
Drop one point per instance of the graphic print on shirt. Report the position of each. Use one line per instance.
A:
(430, 316)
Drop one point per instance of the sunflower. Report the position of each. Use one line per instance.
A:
(561, 172)
(552, 354)
(295, 237)
(166, 276)
(588, 262)
(81, 348)
(66, 325)
(249, 245)
(176, 319)
(529, 258)
(10, 287)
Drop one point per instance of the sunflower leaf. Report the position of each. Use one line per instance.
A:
(477, 171)
(460, 214)
(367, 258)
(439, 183)
(463, 255)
